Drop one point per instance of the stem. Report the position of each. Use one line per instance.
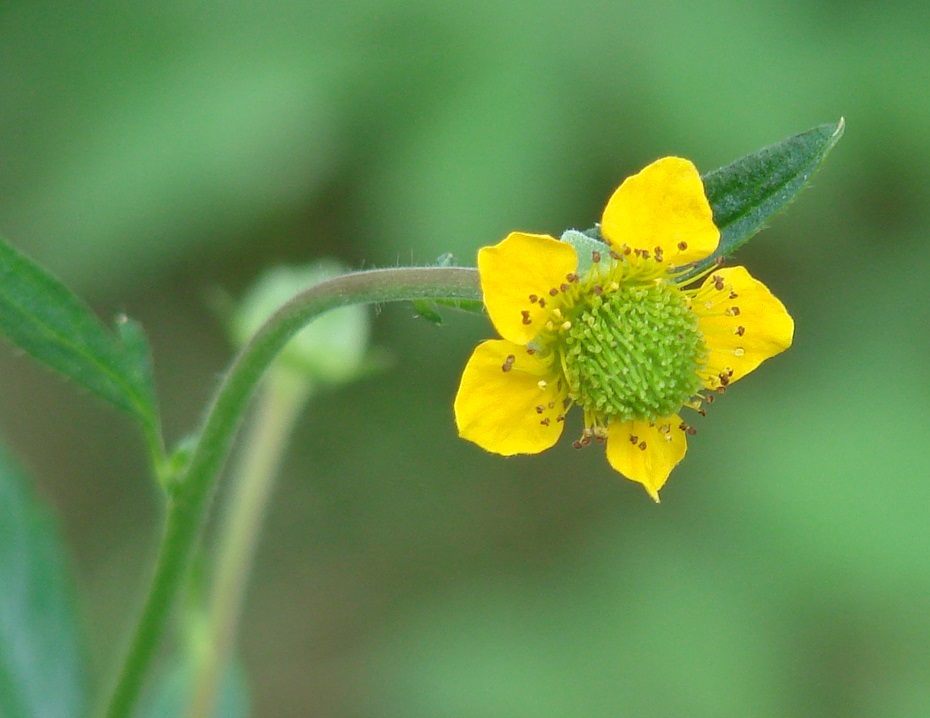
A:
(282, 396)
(190, 498)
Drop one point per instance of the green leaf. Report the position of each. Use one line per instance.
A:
(747, 192)
(44, 319)
(41, 662)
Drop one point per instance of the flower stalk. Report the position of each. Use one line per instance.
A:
(190, 494)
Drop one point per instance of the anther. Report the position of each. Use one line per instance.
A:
(598, 290)
(733, 295)
(530, 351)
(546, 421)
(540, 409)
(542, 302)
(682, 246)
(508, 362)
(718, 282)
(553, 292)
(642, 445)
(691, 431)
(563, 287)
(659, 254)
(634, 439)
(740, 331)
(724, 380)
(533, 299)
(526, 317)
(595, 256)
(571, 277)
(732, 312)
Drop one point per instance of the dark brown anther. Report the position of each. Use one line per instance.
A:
(577, 444)
(542, 302)
(508, 362)
(740, 331)
(595, 256)
(553, 292)
(533, 299)
(702, 412)
(724, 380)
(709, 398)
(614, 255)
(571, 277)
(683, 426)
(721, 390)
(546, 421)
(526, 317)
(733, 295)
(732, 312)
(642, 445)
(691, 431)
(560, 417)
(634, 439)
(530, 351)
(540, 409)
(659, 254)
(563, 287)
(682, 246)
(718, 282)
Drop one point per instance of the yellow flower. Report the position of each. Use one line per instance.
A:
(616, 329)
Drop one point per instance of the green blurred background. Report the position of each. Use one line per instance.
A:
(153, 152)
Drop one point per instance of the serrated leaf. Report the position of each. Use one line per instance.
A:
(41, 661)
(44, 319)
(745, 194)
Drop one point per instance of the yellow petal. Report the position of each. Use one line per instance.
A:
(509, 401)
(646, 452)
(663, 206)
(743, 324)
(517, 268)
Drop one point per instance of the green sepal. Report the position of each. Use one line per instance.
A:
(746, 193)
(43, 318)
(42, 660)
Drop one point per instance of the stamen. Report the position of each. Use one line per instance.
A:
(732, 312)
(739, 331)
(595, 256)
(508, 362)
(642, 445)
(533, 299)
(526, 316)
(682, 246)
(553, 292)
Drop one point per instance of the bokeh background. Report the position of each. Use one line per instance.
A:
(152, 154)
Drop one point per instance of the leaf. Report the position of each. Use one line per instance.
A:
(747, 192)
(44, 319)
(41, 660)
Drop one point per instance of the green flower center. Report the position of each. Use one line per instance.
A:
(632, 353)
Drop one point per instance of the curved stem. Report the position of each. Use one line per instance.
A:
(190, 496)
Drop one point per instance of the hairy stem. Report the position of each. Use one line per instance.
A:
(190, 496)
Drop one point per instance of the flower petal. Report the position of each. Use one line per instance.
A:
(646, 452)
(520, 266)
(743, 324)
(664, 207)
(509, 401)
